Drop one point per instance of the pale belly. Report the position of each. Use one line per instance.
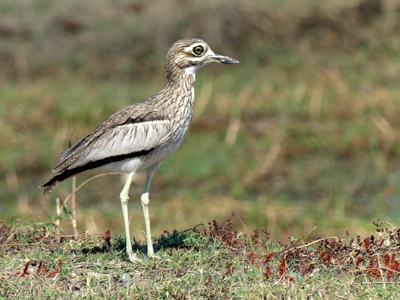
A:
(142, 163)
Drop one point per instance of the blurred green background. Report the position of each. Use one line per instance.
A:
(303, 132)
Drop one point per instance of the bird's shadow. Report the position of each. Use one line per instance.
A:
(167, 240)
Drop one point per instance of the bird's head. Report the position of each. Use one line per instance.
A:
(190, 55)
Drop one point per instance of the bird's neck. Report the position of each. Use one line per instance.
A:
(180, 89)
(180, 80)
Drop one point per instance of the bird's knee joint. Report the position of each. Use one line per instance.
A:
(145, 199)
(124, 198)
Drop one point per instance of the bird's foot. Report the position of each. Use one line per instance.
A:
(153, 256)
(134, 259)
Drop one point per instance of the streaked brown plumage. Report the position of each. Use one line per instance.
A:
(141, 136)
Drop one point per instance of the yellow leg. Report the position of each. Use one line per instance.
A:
(145, 204)
(124, 196)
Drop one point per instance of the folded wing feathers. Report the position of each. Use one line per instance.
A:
(133, 129)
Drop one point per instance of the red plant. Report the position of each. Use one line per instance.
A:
(229, 270)
(39, 266)
(25, 271)
(268, 258)
(326, 257)
(282, 267)
(252, 258)
(107, 237)
(267, 274)
(372, 269)
(359, 260)
(52, 274)
(392, 264)
(366, 245)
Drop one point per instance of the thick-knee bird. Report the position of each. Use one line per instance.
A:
(141, 136)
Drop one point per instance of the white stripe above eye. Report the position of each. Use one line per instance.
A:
(190, 48)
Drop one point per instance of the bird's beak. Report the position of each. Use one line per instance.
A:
(222, 59)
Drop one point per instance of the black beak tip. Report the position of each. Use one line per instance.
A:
(229, 60)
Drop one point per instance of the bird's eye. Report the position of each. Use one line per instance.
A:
(198, 50)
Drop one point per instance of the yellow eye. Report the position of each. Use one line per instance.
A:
(198, 50)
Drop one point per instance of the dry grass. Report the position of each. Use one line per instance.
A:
(205, 263)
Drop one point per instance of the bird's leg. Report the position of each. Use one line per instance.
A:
(124, 196)
(145, 204)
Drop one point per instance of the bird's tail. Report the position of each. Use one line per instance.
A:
(55, 181)
(50, 185)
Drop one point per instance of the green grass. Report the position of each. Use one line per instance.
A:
(212, 262)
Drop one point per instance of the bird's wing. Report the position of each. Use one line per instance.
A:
(132, 131)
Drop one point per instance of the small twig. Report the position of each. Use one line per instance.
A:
(241, 222)
(74, 206)
(90, 179)
(389, 269)
(58, 216)
(384, 222)
(194, 229)
(14, 233)
(311, 243)
(295, 243)
(380, 270)
(269, 292)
